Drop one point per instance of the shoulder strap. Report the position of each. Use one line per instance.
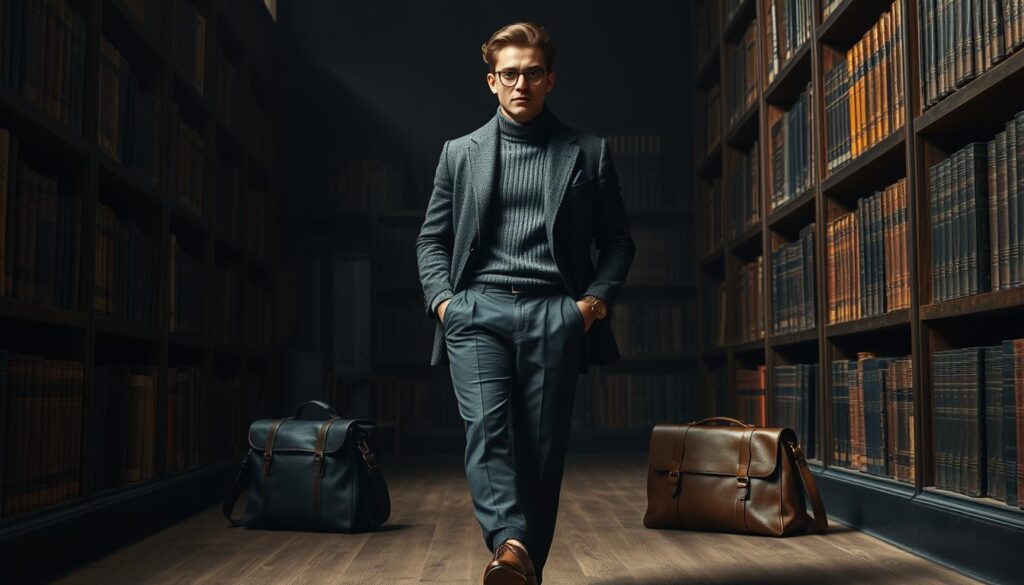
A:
(819, 522)
(237, 487)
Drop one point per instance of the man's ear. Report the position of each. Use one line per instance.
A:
(492, 82)
(551, 81)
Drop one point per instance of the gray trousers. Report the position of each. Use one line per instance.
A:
(513, 358)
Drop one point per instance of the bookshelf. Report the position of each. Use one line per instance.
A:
(894, 152)
(156, 320)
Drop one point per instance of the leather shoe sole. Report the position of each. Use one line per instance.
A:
(502, 575)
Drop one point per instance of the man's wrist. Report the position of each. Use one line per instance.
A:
(596, 305)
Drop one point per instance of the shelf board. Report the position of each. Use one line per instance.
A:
(707, 72)
(710, 167)
(187, 339)
(795, 337)
(874, 482)
(743, 132)
(988, 508)
(983, 104)
(125, 329)
(990, 303)
(737, 25)
(15, 308)
(792, 78)
(745, 347)
(39, 125)
(713, 259)
(129, 179)
(874, 169)
(890, 320)
(747, 241)
(794, 213)
(849, 21)
(713, 353)
(128, 34)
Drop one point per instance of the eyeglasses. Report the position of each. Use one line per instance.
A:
(509, 77)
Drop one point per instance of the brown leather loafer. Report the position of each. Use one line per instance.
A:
(511, 565)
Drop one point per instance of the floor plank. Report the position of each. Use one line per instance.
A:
(433, 538)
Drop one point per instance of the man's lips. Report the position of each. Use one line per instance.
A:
(522, 99)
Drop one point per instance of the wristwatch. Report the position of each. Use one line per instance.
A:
(596, 305)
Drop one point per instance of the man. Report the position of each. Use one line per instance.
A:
(505, 265)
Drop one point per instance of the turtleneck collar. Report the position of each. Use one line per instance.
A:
(536, 130)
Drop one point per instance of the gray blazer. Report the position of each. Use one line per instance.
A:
(581, 204)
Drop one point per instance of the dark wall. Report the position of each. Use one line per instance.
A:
(400, 77)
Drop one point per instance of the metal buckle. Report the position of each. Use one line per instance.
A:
(673, 476)
(742, 488)
(368, 457)
(798, 454)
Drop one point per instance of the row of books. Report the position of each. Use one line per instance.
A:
(663, 256)
(351, 308)
(227, 90)
(793, 286)
(794, 388)
(147, 12)
(977, 218)
(792, 150)
(227, 285)
(706, 27)
(868, 259)
(368, 183)
(640, 168)
(187, 177)
(750, 300)
(40, 431)
(864, 90)
(42, 57)
(978, 420)
(260, 114)
(397, 242)
(227, 197)
(789, 25)
(186, 287)
(126, 268)
(709, 127)
(129, 114)
(652, 328)
(634, 400)
(709, 216)
(258, 212)
(40, 231)
(827, 7)
(258, 317)
(873, 416)
(751, 390)
(712, 315)
(961, 39)
(745, 189)
(741, 71)
(188, 45)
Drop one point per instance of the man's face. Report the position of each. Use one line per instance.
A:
(523, 100)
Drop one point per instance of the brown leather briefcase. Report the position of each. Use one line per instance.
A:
(735, 478)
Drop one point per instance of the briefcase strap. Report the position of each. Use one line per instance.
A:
(380, 501)
(819, 522)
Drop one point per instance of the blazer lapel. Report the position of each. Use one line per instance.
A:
(483, 165)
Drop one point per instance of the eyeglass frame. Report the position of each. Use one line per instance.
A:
(520, 72)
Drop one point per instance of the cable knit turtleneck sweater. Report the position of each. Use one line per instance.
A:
(514, 247)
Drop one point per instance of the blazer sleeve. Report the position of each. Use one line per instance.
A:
(611, 234)
(435, 240)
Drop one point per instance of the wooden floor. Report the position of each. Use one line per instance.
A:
(432, 537)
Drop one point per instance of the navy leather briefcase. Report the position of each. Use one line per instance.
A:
(311, 474)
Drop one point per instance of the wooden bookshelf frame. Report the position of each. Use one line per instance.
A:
(46, 540)
(917, 517)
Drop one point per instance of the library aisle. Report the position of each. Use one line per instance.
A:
(433, 538)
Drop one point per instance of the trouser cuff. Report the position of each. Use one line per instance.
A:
(506, 533)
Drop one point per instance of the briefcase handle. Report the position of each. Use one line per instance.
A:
(327, 407)
(724, 419)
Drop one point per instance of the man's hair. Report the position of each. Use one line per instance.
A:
(527, 34)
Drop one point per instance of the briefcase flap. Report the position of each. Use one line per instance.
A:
(714, 450)
(300, 434)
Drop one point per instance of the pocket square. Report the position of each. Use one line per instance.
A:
(580, 178)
